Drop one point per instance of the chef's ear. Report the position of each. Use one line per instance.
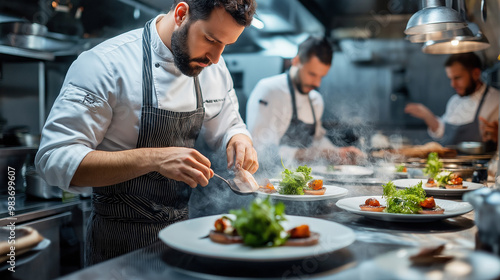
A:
(476, 74)
(296, 60)
(181, 12)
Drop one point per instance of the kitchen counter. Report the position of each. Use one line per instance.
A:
(28, 208)
(373, 238)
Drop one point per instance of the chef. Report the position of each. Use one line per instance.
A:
(471, 114)
(284, 111)
(129, 113)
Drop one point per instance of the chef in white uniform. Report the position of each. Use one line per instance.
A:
(128, 115)
(471, 114)
(284, 111)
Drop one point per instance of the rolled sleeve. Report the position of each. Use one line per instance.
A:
(76, 124)
(438, 134)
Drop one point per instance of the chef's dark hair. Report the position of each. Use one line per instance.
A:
(314, 46)
(241, 10)
(469, 60)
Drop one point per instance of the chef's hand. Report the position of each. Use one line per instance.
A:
(351, 155)
(489, 130)
(418, 110)
(186, 165)
(241, 154)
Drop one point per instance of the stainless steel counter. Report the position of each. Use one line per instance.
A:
(373, 238)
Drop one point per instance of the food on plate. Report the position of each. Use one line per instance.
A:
(300, 182)
(430, 256)
(446, 180)
(401, 168)
(410, 200)
(260, 226)
(245, 181)
(433, 165)
(372, 204)
(441, 178)
(315, 187)
(429, 207)
(268, 187)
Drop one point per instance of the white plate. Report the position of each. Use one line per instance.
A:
(405, 183)
(342, 170)
(330, 193)
(466, 265)
(451, 209)
(185, 236)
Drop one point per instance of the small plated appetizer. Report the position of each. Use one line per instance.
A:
(372, 204)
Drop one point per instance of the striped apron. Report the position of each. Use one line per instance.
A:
(128, 216)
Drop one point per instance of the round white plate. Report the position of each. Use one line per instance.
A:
(466, 265)
(330, 193)
(405, 183)
(451, 209)
(342, 170)
(186, 236)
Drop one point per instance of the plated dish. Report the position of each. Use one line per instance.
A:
(452, 209)
(188, 236)
(330, 193)
(404, 183)
(342, 170)
(466, 265)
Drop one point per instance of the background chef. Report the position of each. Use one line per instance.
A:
(284, 111)
(128, 115)
(471, 114)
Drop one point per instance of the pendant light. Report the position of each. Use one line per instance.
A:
(434, 17)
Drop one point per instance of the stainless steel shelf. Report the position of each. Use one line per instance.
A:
(15, 53)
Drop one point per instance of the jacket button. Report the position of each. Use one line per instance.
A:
(157, 65)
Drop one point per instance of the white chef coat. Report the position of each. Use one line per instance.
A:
(462, 110)
(269, 113)
(99, 106)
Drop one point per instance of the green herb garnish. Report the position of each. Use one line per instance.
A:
(294, 182)
(404, 201)
(433, 165)
(260, 226)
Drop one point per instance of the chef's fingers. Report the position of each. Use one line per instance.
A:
(250, 163)
(230, 155)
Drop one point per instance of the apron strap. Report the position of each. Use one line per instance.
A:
(147, 75)
(481, 102)
(294, 104)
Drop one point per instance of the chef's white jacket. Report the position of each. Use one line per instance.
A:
(462, 110)
(99, 106)
(269, 113)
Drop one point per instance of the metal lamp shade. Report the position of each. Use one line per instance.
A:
(434, 19)
(459, 44)
(440, 35)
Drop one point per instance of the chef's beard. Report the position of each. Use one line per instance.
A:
(300, 86)
(471, 88)
(182, 59)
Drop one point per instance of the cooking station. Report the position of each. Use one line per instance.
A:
(374, 238)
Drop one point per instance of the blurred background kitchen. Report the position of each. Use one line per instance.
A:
(376, 70)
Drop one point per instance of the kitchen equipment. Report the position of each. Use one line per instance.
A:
(37, 187)
(486, 203)
(12, 161)
(471, 148)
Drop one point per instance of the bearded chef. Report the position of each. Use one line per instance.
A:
(128, 115)
(284, 111)
(471, 114)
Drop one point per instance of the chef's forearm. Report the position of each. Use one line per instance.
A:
(432, 122)
(101, 168)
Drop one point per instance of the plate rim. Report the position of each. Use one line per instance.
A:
(307, 197)
(441, 191)
(398, 217)
(350, 237)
